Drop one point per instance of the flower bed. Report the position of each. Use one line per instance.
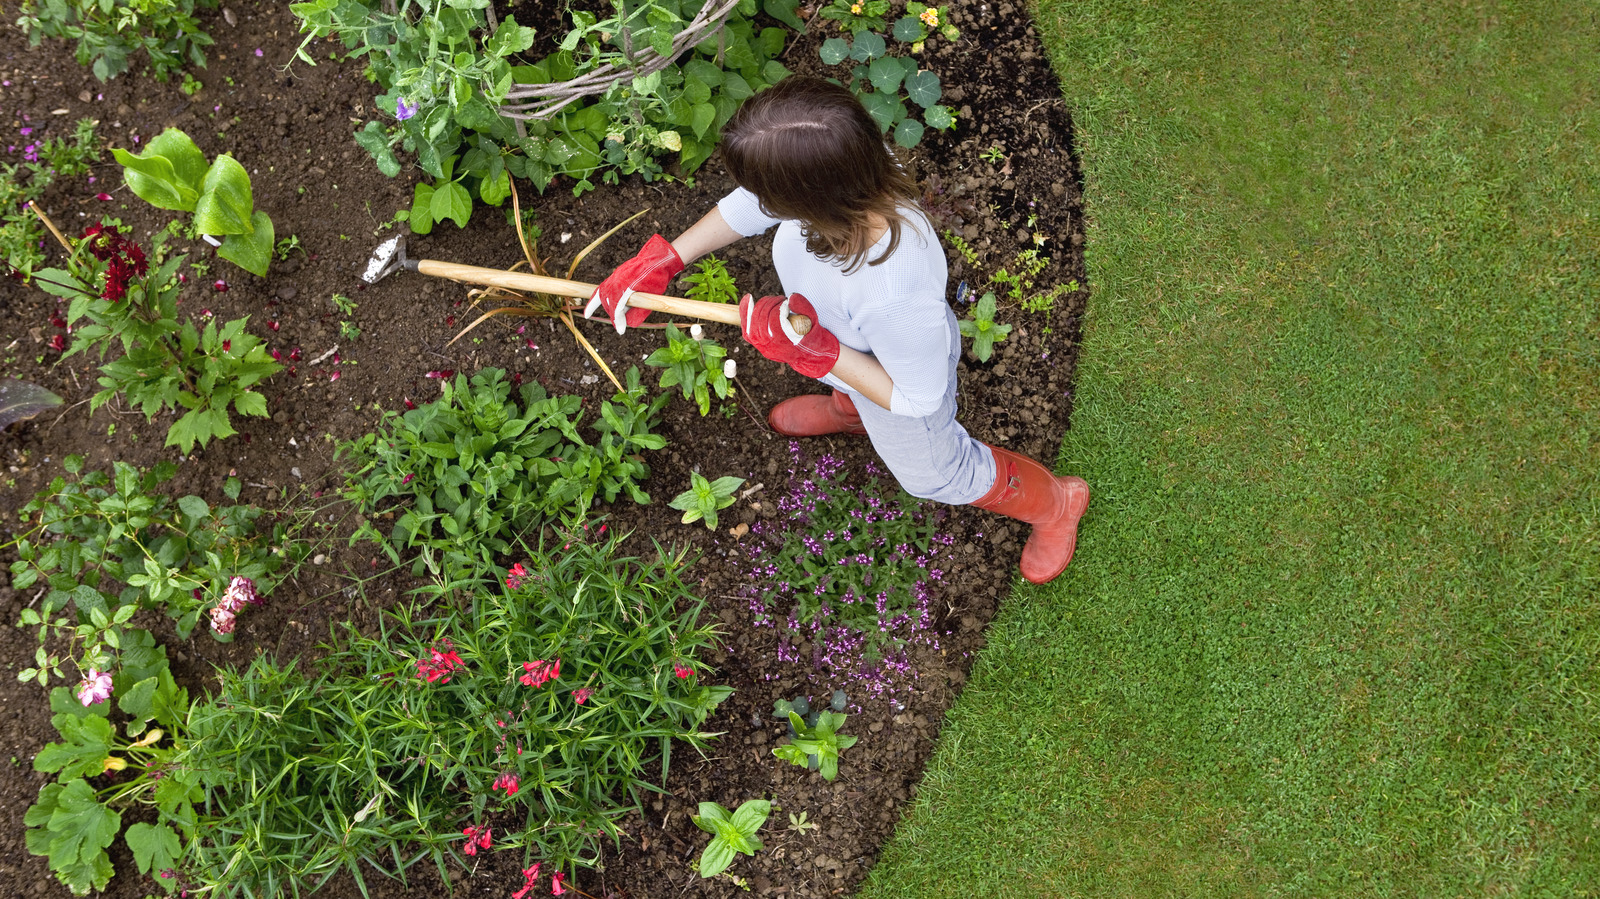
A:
(350, 355)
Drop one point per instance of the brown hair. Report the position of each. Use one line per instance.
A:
(809, 151)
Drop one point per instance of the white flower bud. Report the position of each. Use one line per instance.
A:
(729, 368)
(697, 332)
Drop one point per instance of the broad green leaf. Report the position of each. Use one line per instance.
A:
(939, 117)
(923, 88)
(187, 160)
(886, 74)
(908, 133)
(867, 46)
(373, 139)
(81, 830)
(510, 38)
(909, 29)
(881, 107)
(139, 700)
(251, 252)
(421, 220)
(451, 201)
(751, 815)
(249, 402)
(88, 742)
(716, 858)
(155, 846)
(834, 50)
(495, 190)
(225, 200)
(155, 181)
(194, 506)
(783, 11)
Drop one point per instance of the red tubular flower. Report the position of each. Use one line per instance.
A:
(529, 876)
(507, 782)
(556, 887)
(515, 576)
(582, 694)
(440, 666)
(681, 670)
(540, 673)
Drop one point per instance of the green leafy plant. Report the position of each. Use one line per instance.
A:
(705, 498)
(110, 32)
(43, 161)
(921, 22)
(857, 16)
(73, 823)
(816, 745)
(450, 77)
(731, 833)
(878, 79)
(470, 472)
(164, 365)
(694, 365)
(982, 329)
(286, 246)
(173, 174)
(90, 532)
(550, 705)
(710, 282)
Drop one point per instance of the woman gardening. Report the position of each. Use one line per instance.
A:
(860, 260)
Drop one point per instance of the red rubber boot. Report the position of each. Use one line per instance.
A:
(814, 415)
(1027, 491)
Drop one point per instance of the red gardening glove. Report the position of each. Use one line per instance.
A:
(766, 327)
(648, 272)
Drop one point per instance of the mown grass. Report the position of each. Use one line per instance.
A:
(1332, 629)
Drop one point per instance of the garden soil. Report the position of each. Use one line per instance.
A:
(1006, 174)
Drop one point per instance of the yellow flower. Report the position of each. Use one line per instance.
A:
(113, 763)
(930, 17)
(149, 739)
(855, 9)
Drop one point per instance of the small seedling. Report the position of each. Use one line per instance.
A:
(286, 246)
(816, 746)
(982, 328)
(994, 154)
(800, 825)
(730, 833)
(711, 283)
(344, 304)
(704, 498)
(191, 85)
(693, 365)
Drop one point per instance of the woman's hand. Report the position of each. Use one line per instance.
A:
(649, 271)
(765, 323)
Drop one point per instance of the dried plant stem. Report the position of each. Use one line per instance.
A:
(566, 318)
(49, 224)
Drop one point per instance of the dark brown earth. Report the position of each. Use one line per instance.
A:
(292, 129)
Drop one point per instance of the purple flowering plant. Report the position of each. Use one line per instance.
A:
(43, 160)
(850, 570)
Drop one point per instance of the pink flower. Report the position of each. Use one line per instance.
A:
(407, 479)
(515, 576)
(582, 694)
(529, 877)
(102, 197)
(220, 286)
(507, 782)
(95, 687)
(440, 666)
(477, 838)
(681, 670)
(556, 887)
(540, 673)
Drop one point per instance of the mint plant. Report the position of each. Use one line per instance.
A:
(705, 498)
(164, 365)
(470, 472)
(694, 366)
(731, 833)
(710, 282)
(110, 32)
(981, 328)
(173, 174)
(816, 745)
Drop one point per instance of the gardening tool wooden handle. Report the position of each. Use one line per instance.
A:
(491, 277)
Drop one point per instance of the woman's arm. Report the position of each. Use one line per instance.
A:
(864, 374)
(709, 234)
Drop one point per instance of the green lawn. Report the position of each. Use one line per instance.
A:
(1332, 629)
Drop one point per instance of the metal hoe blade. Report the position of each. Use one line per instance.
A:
(388, 258)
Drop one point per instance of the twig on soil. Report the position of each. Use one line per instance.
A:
(49, 224)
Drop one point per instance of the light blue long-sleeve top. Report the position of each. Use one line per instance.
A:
(895, 311)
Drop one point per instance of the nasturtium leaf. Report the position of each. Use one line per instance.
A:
(939, 117)
(253, 251)
(923, 88)
(834, 51)
(21, 400)
(908, 29)
(886, 74)
(868, 45)
(908, 133)
(155, 846)
(881, 107)
(155, 181)
(225, 199)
